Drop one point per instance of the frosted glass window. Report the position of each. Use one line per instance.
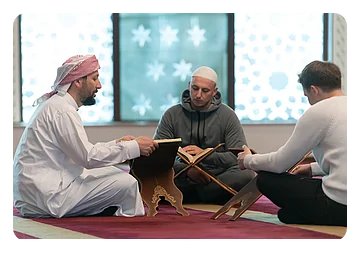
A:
(158, 53)
(47, 40)
(270, 50)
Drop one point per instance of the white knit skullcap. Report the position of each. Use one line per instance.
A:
(205, 72)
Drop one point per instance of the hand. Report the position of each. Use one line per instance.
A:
(146, 145)
(192, 149)
(125, 138)
(241, 157)
(303, 170)
(197, 176)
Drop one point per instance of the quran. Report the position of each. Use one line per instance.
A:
(161, 159)
(156, 176)
(195, 158)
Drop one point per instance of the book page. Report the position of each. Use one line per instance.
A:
(199, 155)
(188, 156)
(192, 158)
(170, 140)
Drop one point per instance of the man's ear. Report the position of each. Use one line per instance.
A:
(215, 91)
(315, 90)
(77, 83)
(189, 85)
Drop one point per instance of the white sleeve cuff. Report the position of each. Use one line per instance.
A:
(316, 170)
(131, 147)
(247, 160)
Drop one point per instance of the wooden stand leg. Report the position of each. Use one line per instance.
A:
(247, 196)
(161, 185)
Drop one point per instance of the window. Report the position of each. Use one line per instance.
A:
(270, 50)
(146, 60)
(158, 53)
(46, 39)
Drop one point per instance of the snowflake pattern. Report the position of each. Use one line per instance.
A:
(155, 70)
(142, 105)
(183, 69)
(196, 35)
(169, 35)
(141, 35)
(171, 101)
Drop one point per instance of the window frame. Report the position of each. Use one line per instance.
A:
(116, 65)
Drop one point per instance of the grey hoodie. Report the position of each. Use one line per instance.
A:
(205, 128)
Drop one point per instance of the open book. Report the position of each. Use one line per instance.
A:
(161, 159)
(196, 158)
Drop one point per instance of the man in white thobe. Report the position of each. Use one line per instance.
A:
(57, 172)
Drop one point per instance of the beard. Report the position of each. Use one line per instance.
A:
(90, 100)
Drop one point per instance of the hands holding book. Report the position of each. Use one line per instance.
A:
(303, 170)
(241, 157)
(125, 138)
(146, 145)
(194, 174)
(192, 150)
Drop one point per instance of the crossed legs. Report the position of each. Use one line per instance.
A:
(301, 199)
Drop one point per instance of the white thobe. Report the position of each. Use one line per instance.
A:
(57, 172)
(322, 129)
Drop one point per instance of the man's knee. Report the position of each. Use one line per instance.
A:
(262, 181)
(125, 181)
(240, 179)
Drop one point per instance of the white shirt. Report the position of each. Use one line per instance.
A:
(322, 129)
(54, 150)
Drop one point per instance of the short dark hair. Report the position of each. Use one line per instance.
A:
(325, 75)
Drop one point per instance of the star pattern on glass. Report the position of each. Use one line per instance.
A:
(196, 35)
(169, 35)
(155, 70)
(142, 105)
(183, 69)
(141, 35)
(170, 101)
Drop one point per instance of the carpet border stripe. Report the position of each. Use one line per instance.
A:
(44, 231)
(272, 218)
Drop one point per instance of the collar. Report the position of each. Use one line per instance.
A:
(71, 101)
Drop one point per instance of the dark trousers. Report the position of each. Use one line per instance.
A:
(301, 199)
(212, 193)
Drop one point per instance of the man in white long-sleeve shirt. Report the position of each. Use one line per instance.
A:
(322, 130)
(57, 172)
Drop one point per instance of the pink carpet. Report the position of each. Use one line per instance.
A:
(167, 224)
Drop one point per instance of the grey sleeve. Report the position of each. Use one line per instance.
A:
(165, 128)
(234, 138)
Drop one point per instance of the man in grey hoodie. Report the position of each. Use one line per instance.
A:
(201, 120)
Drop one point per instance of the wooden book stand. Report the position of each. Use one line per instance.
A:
(248, 195)
(155, 174)
(195, 165)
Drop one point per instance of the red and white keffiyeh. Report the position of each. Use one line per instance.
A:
(72, 69)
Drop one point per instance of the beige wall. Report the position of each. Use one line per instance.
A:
(262, 138)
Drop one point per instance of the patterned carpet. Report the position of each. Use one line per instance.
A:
(259, 222)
